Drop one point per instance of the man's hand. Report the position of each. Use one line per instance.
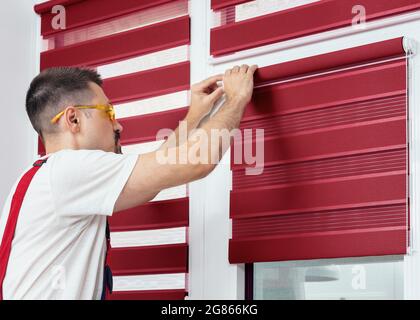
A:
(238, 83)
(203, 97)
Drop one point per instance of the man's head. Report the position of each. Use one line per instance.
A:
(63, 89)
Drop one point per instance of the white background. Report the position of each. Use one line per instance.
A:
(19, 36)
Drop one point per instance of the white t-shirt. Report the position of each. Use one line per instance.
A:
(59, 246)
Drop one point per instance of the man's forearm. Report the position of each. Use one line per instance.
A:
(190, 122)
(220, 124)
(227, 117)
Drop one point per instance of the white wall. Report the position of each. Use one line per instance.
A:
(18, 65)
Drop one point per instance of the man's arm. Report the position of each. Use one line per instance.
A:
(150, 175)
(203, 97)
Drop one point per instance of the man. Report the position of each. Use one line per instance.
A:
(61, 226)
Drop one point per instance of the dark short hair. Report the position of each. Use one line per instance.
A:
(55, 88)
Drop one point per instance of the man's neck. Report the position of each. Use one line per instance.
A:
(52, 148)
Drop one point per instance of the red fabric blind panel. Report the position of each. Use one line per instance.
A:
(83, 12)
(331, 61)
(150, 83)
(334, 89)
(153, 215)
(41, 148)
(301, 21)
(145, 128)
(172, 33)
(171, 258)
(385, 241)
(335, 177)
(331, 193)
(149, 295)
(371, 137)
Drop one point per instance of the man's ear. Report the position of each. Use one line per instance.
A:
(71, 116)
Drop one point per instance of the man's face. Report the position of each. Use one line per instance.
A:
(99, 132)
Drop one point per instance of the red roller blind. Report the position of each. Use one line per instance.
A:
(87, 12)
(335, 177)
(126, 84)
(298, 22)
(103, 50)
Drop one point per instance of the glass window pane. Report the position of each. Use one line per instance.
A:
(335, 279)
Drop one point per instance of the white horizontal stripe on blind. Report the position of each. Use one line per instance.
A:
(141, 148)
(150, 282)
(261, 7)
(148, 237)
(156, 104)
(172, 193)
(145, 62)
(168, 16)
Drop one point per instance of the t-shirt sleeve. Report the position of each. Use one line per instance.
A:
(88, 182)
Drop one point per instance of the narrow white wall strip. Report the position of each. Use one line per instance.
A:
(156, 104)
(172, 193)
(148, 237)
(141, 148)
(145, 62)
(150, 282)
(261, 7)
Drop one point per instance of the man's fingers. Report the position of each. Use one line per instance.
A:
(209, 82)
(213, 87)
(252, 69)
(216, 95)
(244, 68)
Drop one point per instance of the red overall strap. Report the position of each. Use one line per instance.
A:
(107, 281)
(9, 231)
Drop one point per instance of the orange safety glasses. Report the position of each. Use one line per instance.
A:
(108, 108)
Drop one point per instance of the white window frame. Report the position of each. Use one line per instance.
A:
(210, 274)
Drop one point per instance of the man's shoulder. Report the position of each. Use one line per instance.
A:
(84, 159)
(80, 154)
